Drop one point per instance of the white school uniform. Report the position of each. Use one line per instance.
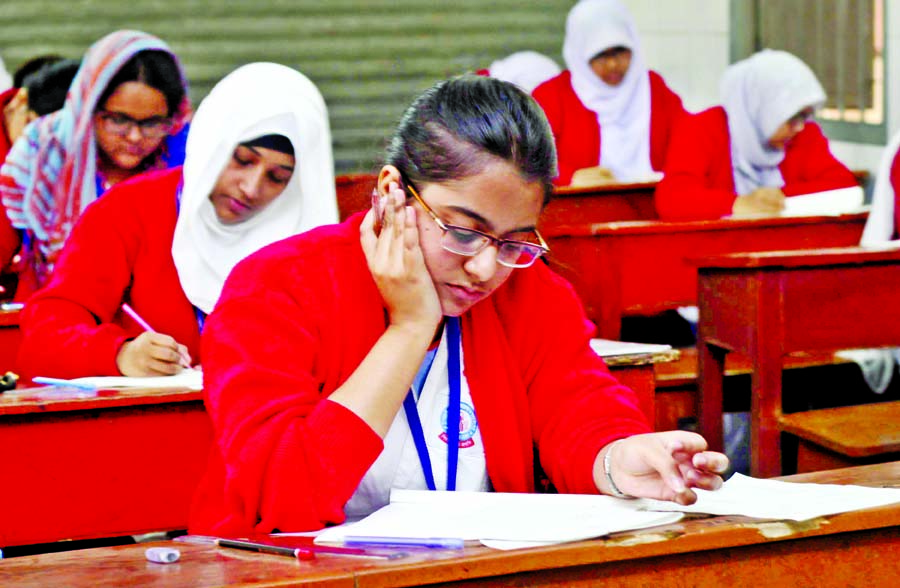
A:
(398, 465)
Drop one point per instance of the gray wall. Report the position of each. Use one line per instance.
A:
(369, 58)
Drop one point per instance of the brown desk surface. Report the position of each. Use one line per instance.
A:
(860, 547)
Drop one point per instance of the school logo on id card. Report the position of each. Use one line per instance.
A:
(468, 425)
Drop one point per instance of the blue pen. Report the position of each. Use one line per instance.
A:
(60, 383)
(432, 542)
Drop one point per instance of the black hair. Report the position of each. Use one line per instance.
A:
(31, 66)
(47, 87)
(155, 68)
(459, 126)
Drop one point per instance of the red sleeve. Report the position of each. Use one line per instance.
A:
(698, 181)
(291, 458)
(809, 166)
(666, 110)
(895, 187)
(66, 326)
(576, 131)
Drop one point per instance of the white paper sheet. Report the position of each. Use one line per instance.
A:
(774, 499)
(191, 379)
(610, 348)
(835, 202)
(496, 518)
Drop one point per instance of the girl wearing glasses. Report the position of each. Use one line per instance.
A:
(165, 242)
(420, 345)
(744, 157)
(124, 114)
(612, 117)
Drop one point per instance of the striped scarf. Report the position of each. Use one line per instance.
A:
(50, 175)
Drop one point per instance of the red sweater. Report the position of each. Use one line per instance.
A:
(297, 318)
(895, 186)
(699, 182)
(119, 251)
(577, 131)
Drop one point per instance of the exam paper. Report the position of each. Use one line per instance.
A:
(774, 499)
(835, 202)
(500, 520)
(610, 348)
(191, 379)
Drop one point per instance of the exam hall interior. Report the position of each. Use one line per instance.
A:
(370, 58)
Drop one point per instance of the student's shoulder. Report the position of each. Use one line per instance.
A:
(150, 193)
(535, 286)
(554, 87)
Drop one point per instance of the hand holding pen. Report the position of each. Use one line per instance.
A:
(151, 353)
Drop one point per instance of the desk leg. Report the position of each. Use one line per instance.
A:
(766, 354)
(711, 362)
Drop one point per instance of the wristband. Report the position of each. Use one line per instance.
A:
(613, 489)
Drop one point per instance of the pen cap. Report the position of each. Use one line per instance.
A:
(162, 554)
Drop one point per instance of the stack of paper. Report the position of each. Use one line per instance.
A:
(191, 379)
(610, 348)
(835, 202)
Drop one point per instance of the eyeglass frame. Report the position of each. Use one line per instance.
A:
(491, 240)
(130, 123)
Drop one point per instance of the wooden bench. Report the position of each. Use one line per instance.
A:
(846, 436)
(676, 381)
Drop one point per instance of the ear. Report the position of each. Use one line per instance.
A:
(388, 174)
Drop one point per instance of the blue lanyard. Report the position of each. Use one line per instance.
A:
(415, 425)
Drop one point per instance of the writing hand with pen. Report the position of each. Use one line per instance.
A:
(664, 466)
(152, 354)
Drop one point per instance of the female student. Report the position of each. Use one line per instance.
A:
(258, 169)
(612, 117)
(333, 359)
(744, 157)
(123, 116)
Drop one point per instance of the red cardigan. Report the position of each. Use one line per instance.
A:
(297, 318)
(119, 251)
(577, 131)
(699, 183)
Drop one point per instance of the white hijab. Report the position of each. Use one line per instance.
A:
(760, 94)
(254, 100)
(880, 224)
(623, 111)
(526, 69)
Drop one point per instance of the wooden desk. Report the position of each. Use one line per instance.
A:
(642, 268)
(122, 463)
(637, 371)
(859, 548)
(597, 204)
(767, 305)
(354, 193)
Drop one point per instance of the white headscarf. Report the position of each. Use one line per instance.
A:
(623, 111)
(254, 100)
(6, 80)
(526, 69)
(880, 224)
(760, 94)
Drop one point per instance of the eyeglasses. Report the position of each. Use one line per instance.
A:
(801, 118)
(471, 242)
(121, 124)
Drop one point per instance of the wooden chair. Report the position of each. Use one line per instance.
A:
(841, 437)
(354, 193)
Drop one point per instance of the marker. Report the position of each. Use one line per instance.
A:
(146, 326)
(61, 383)
(307, 551)
(297, 552)
(431, 542)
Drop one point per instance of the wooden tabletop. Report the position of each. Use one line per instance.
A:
(40, 399)
(826, 551)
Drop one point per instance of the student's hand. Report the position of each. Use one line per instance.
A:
(398, 266)
(593, 176)
(152, 354)
(760, 202)
(664, 466)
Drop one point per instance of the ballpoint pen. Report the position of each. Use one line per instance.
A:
(146, 326)
(61, 383)
(430, 542)
(306, 552)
